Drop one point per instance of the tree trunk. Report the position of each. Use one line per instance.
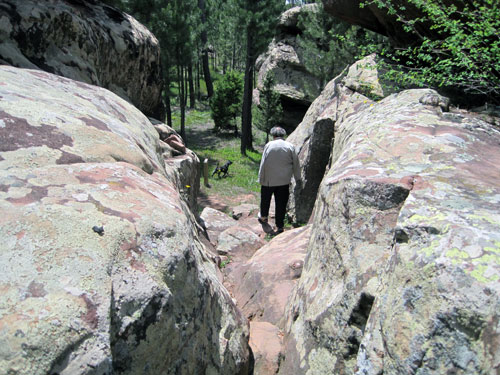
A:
(168, 107)
(204, 39)
(182, 101)
(233, 63)
(192, 97)
(198, 88)
(246, 116)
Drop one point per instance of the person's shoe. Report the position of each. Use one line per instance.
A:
(261, 219)
(279, 230)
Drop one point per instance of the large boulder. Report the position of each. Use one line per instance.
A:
(403, 267)
(269, 276)
(262, 290)
(283, 59)
(378, 19)
(103, 269)
(86, 41)
(313, 138)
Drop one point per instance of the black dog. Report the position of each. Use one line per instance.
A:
(222, 171)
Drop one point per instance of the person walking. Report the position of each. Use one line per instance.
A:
(279, 162)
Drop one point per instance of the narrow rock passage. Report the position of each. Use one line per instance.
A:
(260, 272)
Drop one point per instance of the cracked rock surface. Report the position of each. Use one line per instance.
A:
(86, 41)
(103, 271)
(403, 266)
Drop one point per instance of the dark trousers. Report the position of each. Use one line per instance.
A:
(280, 199)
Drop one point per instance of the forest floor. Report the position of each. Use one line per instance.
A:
(225, 193)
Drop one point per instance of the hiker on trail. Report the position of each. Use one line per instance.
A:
(279, 162)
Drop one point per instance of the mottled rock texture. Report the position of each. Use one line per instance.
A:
(262, 288)
(314, 137)
(102, 270)
(283, 59)
(402, 274)
(87, 41)
(269, 276)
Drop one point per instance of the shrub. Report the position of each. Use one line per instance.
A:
(225, 104)
(461, 53)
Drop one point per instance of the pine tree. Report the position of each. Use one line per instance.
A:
(269, 111)
(226, 102)
(204, 47)
(329, 45)
(260, 18)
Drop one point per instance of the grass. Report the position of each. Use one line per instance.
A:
(218, 148)
(195, 116)
(242, 176)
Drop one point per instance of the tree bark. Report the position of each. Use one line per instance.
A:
(246, 116)
(198, 88)
(182, 101)
(166, 88)
(192, 96)
(204, 57)
(168, 107)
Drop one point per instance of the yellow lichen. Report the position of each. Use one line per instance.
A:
(420, 218)
(484, 218)
(495, 249)
(478, 274)
(457, 255)
(429, 250)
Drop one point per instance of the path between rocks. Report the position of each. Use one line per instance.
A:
(258, 270)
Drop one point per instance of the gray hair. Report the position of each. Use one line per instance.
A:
(278, 132)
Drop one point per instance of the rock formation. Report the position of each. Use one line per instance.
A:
(371, 17)
(297, 87)
(85, 41)
(314, 137)
(260, 276)
(103, 269)
(402, 270)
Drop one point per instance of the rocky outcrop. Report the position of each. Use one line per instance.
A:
(314, 137)
(402, 269)
(283, 59)
(269, 276)
(266, 282)
(86, 41)
(377, 19)
(104, 271)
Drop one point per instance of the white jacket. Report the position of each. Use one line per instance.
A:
(279, 162)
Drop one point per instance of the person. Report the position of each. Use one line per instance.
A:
(279, 162)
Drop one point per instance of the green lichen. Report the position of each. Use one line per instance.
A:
(457, 255)
(484, 217)
(488, 259)
(478, 274)
(420, 218)
(495, 249)
(429, 250)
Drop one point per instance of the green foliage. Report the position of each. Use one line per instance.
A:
(243, 172)
(226, 33)
(329, 45)
(269, 111)
(226, 102)
(260, 19)
(225, 262)
(465, 55)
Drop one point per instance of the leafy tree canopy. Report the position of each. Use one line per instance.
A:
(461, 55)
